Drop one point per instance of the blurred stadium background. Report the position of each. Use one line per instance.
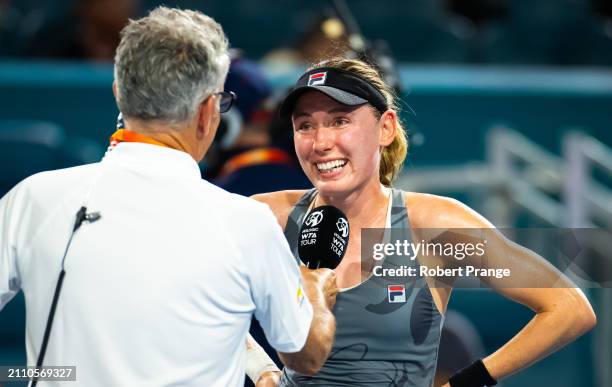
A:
(508, 104)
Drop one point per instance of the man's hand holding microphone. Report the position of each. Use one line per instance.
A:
(322, 242)
(320, 288)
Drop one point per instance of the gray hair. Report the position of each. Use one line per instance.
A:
(167, 63)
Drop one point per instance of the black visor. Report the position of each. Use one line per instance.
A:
(343, 86)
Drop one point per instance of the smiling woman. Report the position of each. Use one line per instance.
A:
(351, 87)
(330, 140)
(351, 145)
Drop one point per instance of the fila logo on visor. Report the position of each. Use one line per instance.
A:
(317, 79)
(396, 293)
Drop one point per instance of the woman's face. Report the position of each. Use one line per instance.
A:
(338, 146)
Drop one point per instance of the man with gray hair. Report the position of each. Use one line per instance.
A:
(135, 271)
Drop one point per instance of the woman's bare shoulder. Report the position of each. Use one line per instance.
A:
(280, 202)
(435, 211)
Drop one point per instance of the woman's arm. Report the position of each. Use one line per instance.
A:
(260, 368)
(280, 202)
(562, 312)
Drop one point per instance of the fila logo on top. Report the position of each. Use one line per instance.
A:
(396, 293)
(317, 79)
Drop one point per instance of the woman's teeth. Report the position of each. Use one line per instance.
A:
(330, 165)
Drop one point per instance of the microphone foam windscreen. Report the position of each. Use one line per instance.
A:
(323, 237)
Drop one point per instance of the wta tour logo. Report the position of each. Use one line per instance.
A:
(396, 293)
(323, 237)
(314, 219)
(317, 79)
(343, 227)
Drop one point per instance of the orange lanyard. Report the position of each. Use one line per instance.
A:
(255, 157)
(125, 135)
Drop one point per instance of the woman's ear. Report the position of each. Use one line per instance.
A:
(388, 127)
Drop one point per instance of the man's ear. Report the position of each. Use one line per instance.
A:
(115, 89)
(205, 113)
(388, 127)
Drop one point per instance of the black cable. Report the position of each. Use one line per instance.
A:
(81, 216)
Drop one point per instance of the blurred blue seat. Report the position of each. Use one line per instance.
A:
(80, 150)
(12, 334)
(599, 43)
(541, 32)
(417, 31)
(12, 321)
(29, 146)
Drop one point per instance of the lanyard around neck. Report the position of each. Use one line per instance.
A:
(126, 135)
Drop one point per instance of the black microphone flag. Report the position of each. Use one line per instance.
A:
(323, 238)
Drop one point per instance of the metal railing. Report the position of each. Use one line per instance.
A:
(519, 173)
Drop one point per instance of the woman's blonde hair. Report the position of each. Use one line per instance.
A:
(393, 155)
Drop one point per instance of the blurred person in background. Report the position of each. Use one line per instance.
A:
(351, 145)
(325, 35)
(253, 155)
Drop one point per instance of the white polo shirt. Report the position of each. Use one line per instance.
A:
(161, 289)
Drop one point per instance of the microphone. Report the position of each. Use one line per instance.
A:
(323, 238)
(81, 216)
